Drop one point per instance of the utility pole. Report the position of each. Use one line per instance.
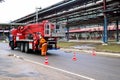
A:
(37, 10)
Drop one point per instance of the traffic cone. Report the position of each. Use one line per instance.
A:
(93, 53)
(74, 57)
(46, 61)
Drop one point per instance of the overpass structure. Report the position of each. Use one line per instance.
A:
(77, 14)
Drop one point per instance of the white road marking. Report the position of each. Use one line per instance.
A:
(82, 76)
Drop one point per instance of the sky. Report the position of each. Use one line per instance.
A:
(14, 9)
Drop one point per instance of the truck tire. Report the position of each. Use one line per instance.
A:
(22, 47)
(11, 45)
(26, 47)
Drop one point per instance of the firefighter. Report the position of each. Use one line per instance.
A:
(43, 45)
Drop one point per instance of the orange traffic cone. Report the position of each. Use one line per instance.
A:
(46, 61)
(74, 57)
(93, 53)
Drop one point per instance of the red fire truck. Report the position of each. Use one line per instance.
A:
(38, 36)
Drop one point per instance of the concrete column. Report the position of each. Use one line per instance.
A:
(105, 34)
(117, 31)
(67, 27)
(77, 35)
(67, 34)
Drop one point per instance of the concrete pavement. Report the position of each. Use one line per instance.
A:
(18, 67)
(15, 68)
(61, 65)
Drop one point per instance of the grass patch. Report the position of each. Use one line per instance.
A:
(67, 44)
(108, 48)
(111, 47)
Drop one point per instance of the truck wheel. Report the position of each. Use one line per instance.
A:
(12, 45)
(22, 47)
(26, 47)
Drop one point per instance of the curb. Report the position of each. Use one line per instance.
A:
(90, 51)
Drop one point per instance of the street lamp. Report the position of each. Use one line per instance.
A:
(37, 14)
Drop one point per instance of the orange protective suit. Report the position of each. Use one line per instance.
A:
(43, 44)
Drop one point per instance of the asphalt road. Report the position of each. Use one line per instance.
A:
(86, 67)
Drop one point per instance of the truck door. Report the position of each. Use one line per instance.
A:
(47, 29)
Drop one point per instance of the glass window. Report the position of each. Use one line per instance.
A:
(47, 28)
